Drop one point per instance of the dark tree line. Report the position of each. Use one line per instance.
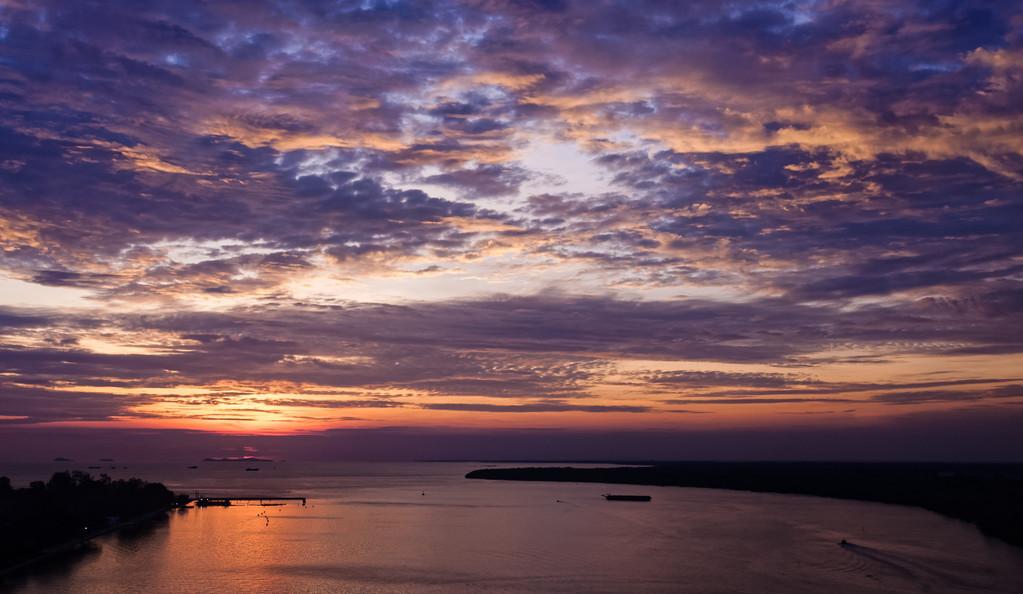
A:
(70, 506)
(988, 495)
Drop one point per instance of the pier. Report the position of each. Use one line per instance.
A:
(208, 501)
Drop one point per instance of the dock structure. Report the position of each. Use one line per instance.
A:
(208, 501)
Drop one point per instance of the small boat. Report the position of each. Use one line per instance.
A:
(251, 469)
(204, 502)
(610, 497)
(192, 467)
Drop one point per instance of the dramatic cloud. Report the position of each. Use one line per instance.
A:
(253, 216)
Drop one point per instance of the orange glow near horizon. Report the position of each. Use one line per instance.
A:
(491, 217)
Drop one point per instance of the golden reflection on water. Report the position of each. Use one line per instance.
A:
(423, 528)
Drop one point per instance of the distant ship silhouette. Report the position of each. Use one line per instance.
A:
(611, 497)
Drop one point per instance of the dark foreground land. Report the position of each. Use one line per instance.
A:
(59, 515)
(988, 495)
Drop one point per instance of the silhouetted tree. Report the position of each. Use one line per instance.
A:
(69, 506)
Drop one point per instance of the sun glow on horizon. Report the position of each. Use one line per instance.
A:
(370, 216)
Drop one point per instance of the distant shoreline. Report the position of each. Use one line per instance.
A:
(986, 495)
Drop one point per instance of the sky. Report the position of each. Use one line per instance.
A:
(512, 228)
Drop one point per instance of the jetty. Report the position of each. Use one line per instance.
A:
(208, 501)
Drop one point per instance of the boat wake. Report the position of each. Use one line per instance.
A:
(880, 564)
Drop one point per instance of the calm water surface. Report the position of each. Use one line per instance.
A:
(424, 528)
